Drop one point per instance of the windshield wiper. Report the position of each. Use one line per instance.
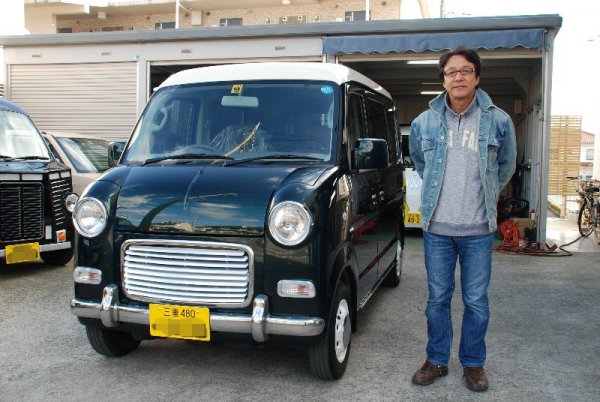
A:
(185, 156)
(24, 158)
(286, 156)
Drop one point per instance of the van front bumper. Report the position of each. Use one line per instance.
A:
(260, 323)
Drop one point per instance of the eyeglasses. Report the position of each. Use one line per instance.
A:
(463, 72)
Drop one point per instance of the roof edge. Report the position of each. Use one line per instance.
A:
(432, 25)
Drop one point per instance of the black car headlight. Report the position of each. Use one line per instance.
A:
(290, 223)
(89, 217)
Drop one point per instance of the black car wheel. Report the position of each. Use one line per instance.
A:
(109, 342)
(328, 359)
(58, 257)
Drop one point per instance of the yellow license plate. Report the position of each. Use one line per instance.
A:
(184, 322)
(22, 253)
(414, 218)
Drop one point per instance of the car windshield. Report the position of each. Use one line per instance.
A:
(250, 121)
(19, 139)
(87, 155)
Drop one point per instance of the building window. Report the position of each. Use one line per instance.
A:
(164, 25)
(229, 22)
(356, 15)
(589, 154)
(64, 30)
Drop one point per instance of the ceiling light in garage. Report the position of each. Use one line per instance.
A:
(422, 62)
(431, 92)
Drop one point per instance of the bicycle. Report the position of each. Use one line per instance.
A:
(588, 219)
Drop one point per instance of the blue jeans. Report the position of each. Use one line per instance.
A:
(474, 255)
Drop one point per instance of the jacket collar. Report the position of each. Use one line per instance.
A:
(438, 104)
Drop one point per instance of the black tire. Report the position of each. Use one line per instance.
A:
(58, 257)
(596, 223)
(392, 279)
(111, 343)
(584, 220)
(329, 358)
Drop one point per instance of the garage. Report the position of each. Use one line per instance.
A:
(97, 83)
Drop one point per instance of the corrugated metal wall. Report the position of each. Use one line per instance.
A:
(90, 98)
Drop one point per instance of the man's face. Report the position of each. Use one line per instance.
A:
(461, 87)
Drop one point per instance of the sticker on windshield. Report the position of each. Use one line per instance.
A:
(327, 89)
(237, 88)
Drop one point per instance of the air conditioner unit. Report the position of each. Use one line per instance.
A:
(197, 17)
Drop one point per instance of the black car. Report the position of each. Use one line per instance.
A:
(36, 196)
(252, 203)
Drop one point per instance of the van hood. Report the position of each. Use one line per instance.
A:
(209, 200)
(31, 167)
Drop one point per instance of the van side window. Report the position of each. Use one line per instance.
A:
(394, 139)
(355, 121)
(376, 120)
(382, 125)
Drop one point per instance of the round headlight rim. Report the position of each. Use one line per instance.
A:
(300, 207)
(80, 230)
(70, 201)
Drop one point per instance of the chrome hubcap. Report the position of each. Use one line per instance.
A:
(342, 330)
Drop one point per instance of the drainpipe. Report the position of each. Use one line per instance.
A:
(367, 12)
(424, 8)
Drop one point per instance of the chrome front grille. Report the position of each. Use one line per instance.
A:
(21, 211)
(202, 273)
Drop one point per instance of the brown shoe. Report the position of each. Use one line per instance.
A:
(428, 373)
(475, 378)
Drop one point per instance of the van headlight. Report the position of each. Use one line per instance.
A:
(89, 217)
(290, 223)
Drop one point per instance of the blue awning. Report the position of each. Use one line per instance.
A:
(436, 42)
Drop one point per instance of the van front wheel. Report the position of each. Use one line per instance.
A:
(328, 359)
(57, 257)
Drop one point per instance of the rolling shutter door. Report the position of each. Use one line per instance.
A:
(96, 98)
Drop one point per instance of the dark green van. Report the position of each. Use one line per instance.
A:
(255, 203)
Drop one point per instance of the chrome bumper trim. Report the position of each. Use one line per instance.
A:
(46, 247)
(260, 324)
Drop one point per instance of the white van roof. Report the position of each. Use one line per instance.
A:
(273, 71)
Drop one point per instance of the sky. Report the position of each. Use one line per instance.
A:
(575, 86)
(575, 82)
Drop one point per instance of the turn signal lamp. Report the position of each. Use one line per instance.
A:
(90, 276)
(296, 288)
(61, 235)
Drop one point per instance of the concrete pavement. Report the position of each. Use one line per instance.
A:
(542, 344)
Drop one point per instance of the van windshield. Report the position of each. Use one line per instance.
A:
(238, 121)
(19, 139)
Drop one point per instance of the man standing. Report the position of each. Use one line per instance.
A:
(464, 149)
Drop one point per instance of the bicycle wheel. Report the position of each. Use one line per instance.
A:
(584, 220)
(596, 223)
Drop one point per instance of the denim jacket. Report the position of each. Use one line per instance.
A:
(497, 150)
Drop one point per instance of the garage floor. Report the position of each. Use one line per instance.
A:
(562, 231)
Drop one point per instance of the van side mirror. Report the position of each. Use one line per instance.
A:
(115, 149)
(370, 153)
